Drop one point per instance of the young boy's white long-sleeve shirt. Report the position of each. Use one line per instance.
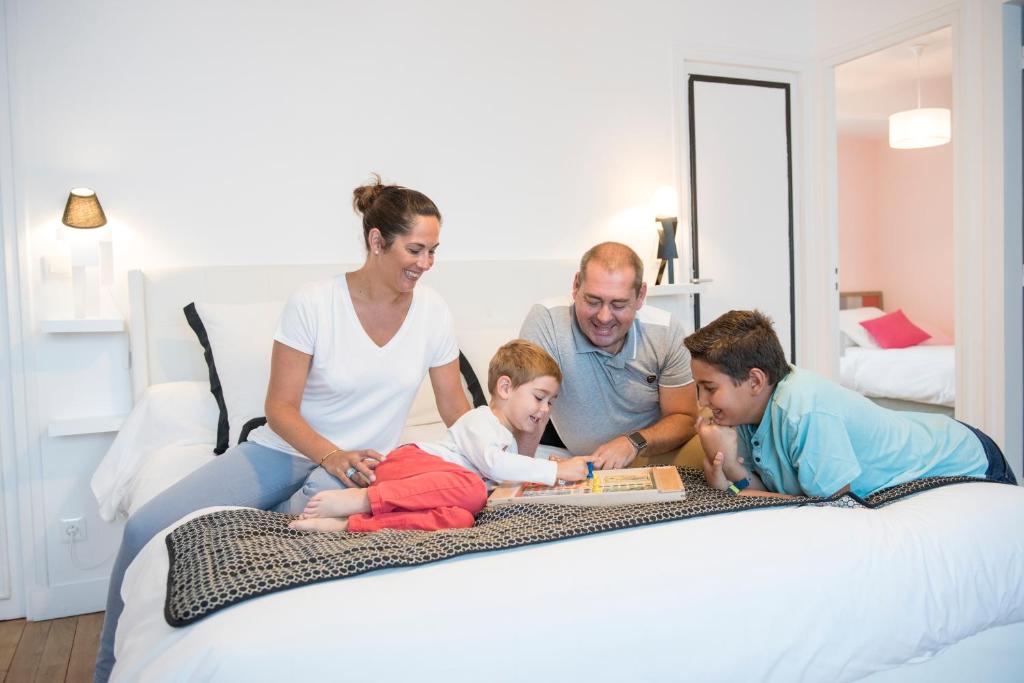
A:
(480, 443)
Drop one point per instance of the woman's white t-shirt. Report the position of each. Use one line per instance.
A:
(358, 394)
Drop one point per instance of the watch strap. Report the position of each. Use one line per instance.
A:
(638, 441)
(737, 486)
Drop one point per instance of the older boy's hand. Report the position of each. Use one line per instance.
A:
(713, 434)
(713, 473)
(716, 438)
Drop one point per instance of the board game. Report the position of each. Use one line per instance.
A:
(608, 487)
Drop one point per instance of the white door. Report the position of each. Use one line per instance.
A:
(741, 200)
(11, 602)
(11, 599)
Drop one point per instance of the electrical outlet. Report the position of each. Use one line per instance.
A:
(72, 530)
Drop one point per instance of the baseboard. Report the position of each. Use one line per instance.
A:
(11, 608)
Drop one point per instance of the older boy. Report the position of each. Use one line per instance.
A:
(782, 429)
(430, 486)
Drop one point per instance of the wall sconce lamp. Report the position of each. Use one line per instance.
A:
(83, 209)
(665, 213)
(83, 212)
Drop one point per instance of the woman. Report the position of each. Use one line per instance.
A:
(349, 356)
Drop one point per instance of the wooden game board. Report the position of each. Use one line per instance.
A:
(608, 487)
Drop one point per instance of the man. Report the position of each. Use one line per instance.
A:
(628, 389)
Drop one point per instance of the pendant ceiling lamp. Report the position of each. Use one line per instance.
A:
(921, 127)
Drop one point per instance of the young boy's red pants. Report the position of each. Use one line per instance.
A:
(416, 490)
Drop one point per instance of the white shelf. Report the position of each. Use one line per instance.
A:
(674, 289)
(85, 425)
(79, 325)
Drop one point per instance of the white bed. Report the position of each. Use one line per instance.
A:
(921, 377)
(928, 588)
(923, 374)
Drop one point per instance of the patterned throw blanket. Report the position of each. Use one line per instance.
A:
(225, 557)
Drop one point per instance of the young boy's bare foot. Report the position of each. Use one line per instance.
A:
(320, 524)
(341, 503)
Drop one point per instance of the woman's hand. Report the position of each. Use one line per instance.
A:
(354, 468)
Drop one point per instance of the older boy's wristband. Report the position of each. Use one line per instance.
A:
(737, 486)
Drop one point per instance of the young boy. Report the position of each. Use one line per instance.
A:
(778, 428)
(430, 486)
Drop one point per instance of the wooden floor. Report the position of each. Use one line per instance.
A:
(55, 650)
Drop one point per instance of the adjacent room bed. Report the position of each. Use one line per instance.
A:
(925, 588)
(920, 377)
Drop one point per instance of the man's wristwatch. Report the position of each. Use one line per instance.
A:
(638, 441)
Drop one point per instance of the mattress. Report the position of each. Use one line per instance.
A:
(799, 593)
(807, 593)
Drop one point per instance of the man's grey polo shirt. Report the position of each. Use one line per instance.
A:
(604, 396)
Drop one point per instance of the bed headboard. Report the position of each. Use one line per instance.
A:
(491, 295)
(860, 300)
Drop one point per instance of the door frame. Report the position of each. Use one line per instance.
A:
(13, 435)
(979, 228)
(1013, 218)
(801, 77)
(693, 78)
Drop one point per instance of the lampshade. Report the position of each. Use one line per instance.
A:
(83, 209)
(920, 127)
(917, 128)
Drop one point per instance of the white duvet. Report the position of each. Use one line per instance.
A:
(812, 593)
(926, 374)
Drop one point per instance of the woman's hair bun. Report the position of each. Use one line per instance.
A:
(364, 196)
(391, 209)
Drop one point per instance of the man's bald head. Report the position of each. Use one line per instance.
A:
(613, 256)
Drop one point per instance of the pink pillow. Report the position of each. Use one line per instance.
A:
(894, 331)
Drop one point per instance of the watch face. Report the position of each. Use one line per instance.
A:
(638, 441)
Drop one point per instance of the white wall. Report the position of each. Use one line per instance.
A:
(233, 132)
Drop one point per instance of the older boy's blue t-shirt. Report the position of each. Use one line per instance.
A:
(816, 437)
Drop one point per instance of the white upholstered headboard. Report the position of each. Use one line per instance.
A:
(483, 295)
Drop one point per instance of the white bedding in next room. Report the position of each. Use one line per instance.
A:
(925, 374)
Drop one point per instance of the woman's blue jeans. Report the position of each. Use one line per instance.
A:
(249, 475)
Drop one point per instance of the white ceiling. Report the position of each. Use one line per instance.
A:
(872, 87)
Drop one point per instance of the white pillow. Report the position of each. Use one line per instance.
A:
(424, 408)
(170, 414)
(849, 325)
(162, 469)
(237, 341)
(479, 345)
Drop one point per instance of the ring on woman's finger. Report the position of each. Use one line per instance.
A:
(350, 471)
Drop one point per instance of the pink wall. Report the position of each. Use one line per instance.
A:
(896, 227)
